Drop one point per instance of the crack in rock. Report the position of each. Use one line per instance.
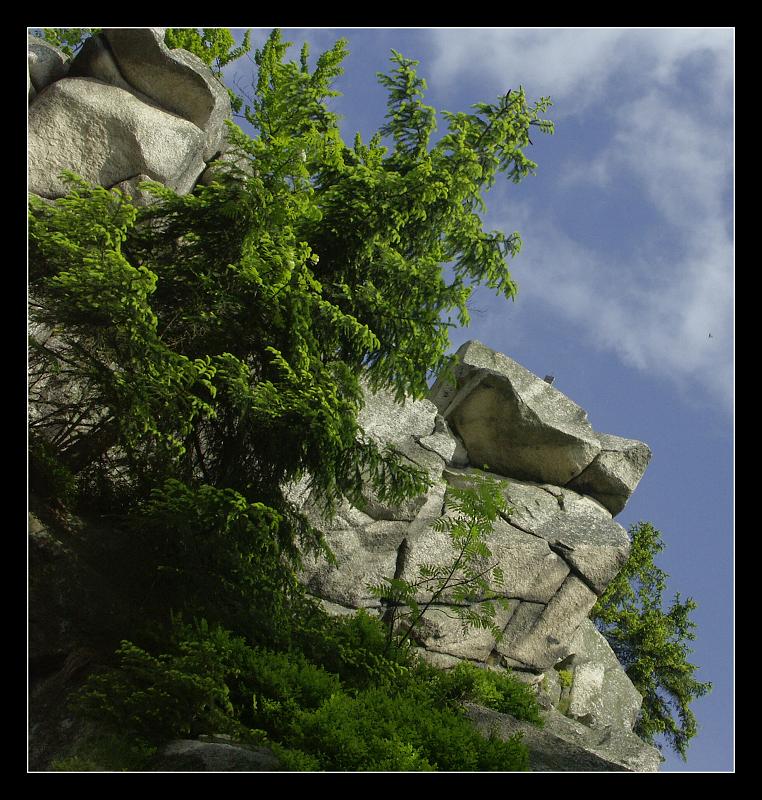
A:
(558, 548)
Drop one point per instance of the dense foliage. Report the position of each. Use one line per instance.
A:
(218, 339)
(377, 711)
(192, 359)
(651, 642)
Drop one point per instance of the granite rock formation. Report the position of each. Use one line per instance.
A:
(558, 545)
(125, 109)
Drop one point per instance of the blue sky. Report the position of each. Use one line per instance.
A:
(627, 267)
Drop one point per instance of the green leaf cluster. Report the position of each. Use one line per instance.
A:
(68, 40)
(222, 338)
(193, 358)
(651, 641)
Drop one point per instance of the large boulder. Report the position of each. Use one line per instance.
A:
(513, 422)
(46, 63)
(364, 555)
(615, 472)
(520, 426)
(107, 135)
(415, 430)
(577, 528)
(601, 693)
(537, 635)
(176, 80)
(95, 60)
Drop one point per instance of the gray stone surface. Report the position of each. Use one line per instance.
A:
(363, 555)
(441, 631)
(615, 471)
(601, 693)
(106, 135)
(131, 188)
(588, 540)
(176, 79)
(438, 660)
(412, 429)
(563, 745)
(404, 427)
(95, 60)
(530, 570)
(579, 529)
(190, 755)
(512, 421)
(538, 636)
(46, 63)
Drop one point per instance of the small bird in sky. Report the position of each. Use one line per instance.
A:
(710, 336)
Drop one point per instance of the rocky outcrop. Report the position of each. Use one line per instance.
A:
(124, 138)
(563, 745)
(176, 80)
(125, 109)
(557, 546)
(45, 63)
(213, 754)
(513, 423)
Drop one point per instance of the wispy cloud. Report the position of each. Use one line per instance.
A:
(666, 96)
(575, 66)
(655, 315)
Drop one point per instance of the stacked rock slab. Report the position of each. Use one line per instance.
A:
(125, 109)
(558, 546)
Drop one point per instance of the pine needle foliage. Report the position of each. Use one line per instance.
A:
(219, 338)
(651, 643)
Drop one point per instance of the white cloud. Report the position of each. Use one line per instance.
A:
(575, 66)
(665, 96)
(656, 316)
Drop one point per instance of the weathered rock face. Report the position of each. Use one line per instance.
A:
(45, 62)
(176, 80)
(520, 426)
(558, 546)
(217, 755)
(563, 745)
(125, 109)
(123, 138)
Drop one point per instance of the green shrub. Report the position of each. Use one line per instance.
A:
(102, 751)
(500, 691)
(214, 682)
(565, 678)
(354, 647)
(383, 730)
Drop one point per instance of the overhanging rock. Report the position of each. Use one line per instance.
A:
(514, 423)
(556, 545)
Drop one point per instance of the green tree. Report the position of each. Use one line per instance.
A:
(219, 338)
(68, 40)
(651, 642)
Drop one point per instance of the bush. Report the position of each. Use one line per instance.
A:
(214, 682)
(383, 730)
(497, 690)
